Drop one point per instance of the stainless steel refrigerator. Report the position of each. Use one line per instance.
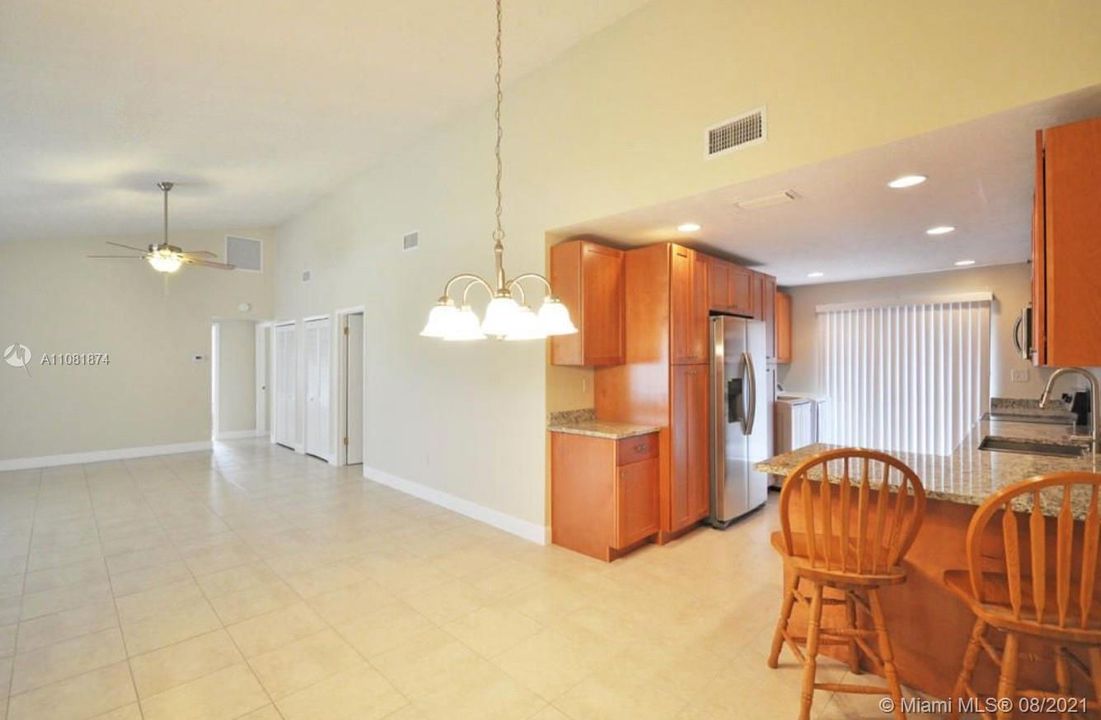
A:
(741, 417)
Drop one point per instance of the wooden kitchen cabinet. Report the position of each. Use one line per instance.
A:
(604, 493)
(731, 288)
(688, 305)
(689, 496)
(782, 321)
(1066, 252)
(589, 279)
(766, 310)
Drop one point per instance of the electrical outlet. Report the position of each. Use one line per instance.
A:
(1019, 376)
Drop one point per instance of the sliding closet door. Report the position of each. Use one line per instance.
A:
(318, 403)
(285, 376)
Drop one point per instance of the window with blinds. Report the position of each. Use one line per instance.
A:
(907, 377)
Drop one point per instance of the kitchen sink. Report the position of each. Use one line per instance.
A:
(1031, 447)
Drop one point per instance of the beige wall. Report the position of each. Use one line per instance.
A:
(236, 376)
(618, 123)
(1010, 284)
(53, 299)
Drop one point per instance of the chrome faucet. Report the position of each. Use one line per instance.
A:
(1095, 401)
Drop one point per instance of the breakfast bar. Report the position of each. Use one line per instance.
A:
(929, 624)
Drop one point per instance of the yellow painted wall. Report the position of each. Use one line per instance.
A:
(618, 122)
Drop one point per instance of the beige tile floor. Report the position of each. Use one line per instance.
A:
(255, 583)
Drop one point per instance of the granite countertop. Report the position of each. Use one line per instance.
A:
(603, 429)
(969, 475)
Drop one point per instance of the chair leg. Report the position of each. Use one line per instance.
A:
(810, 666)
(970, 660)
(1062, 675)
(885, 652)
(1095, 672)
(1007, 681)
(854, 649)
(790, 586)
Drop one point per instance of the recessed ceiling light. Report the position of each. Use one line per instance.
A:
(815, 274)
(964, 263)
(940, 230)
(688, 227)
(906, 181)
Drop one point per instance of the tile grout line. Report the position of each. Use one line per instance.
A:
(111, 586)
(23, 594)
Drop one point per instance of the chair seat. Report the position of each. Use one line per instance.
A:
(997, 610)
(800, 561)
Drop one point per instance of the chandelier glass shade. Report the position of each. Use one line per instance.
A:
(506, 317)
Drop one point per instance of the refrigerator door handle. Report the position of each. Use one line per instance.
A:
(751, 396)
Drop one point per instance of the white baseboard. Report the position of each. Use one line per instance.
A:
(239, 434)
(529, 531)
(92, 456)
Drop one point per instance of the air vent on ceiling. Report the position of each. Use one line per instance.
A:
(306, 276)
(411, 241)
(764, 201)
(736, 133)
(245, 253)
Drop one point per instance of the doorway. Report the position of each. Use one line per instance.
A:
(317, 342)
(284, 375)
(215, 359)
(350, 387)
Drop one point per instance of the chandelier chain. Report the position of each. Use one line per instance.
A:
(499, 233)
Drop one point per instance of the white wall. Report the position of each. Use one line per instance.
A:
(1010, 284)
(236, 376)
(617, 123)
(54, 299)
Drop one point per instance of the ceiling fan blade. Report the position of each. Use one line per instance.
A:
(117, 257)
(203, 253)
(207, 263)
(128, 247)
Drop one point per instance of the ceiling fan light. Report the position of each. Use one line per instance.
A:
(554, 318)
(441, 318)
(165, 261)
(464, 327)
(525, 326)
(500, 316)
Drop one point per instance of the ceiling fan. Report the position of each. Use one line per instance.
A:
(164, 257)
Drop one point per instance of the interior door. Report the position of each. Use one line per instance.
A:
(353, 403)
(317, 388)
(285, 385)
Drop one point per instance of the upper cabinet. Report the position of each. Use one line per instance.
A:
(731, 288)
(766, 310)
(688, 306)
(1066, 252)
(589, 278)
(782, 322)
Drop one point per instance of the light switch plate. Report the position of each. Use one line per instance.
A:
(1019, 376)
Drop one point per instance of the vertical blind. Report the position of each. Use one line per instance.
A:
(906, 377)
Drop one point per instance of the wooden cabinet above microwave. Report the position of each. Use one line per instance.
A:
(1066, 246)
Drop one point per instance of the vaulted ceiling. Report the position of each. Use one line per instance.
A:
(254, 107)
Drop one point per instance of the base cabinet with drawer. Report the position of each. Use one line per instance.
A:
(604, 493)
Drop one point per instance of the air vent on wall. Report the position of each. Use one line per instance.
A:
(306, 276)
(245, 253)
(736, 133)
(411, 241)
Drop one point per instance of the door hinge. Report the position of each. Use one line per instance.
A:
(345, 441)
(345, 329)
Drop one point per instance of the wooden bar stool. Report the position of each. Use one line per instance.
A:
(856, 528)
(1035, 590)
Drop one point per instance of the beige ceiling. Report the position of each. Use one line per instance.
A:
(255, 107)
(847, 224)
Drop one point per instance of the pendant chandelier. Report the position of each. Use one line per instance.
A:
(505, 318)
